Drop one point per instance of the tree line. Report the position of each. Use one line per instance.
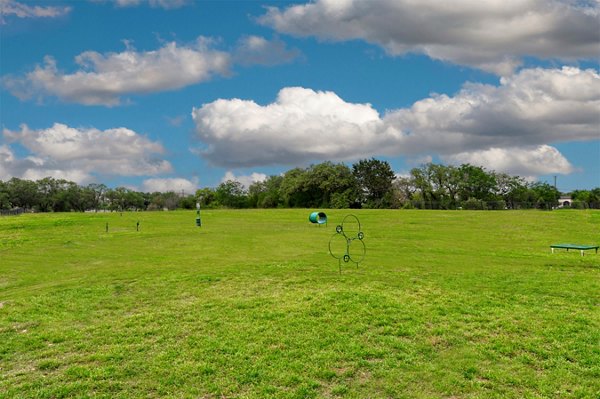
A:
(59, 195)
(368, 183)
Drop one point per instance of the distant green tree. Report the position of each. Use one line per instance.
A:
(271, 196)
(4, 196)
(47, 189)
(169, 200)
(23, 193)
(66, 197)
(512, 190)
(581, 195)
(330, 182)
(374, 180)
(439, 185)
(256, 192)
(586, 198)
(448, 181)
(231, 194)
(403, 190)
(117, 198)
(293, 189)
(476, 182)
(424, 192)
(135, 200)
(321, 185)
(266, 194)
(156, 201)
(545, 195)
(94, 196)
(594, 198)
(206, 197)
(188, 202)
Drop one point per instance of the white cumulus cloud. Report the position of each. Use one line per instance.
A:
(521, 161)
(493, 35)
(23, 10)
(535, 106)
(300, 125)
(166, 4)
(103, 78)
(256, 50)
(246, 180)
(527, 111)
(78, 154)
(7, 162)
(175, 184)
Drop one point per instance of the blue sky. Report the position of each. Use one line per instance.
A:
(178, 95)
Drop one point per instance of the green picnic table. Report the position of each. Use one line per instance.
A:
(580, 248)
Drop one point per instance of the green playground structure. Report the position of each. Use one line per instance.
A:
(318, 217)
(580, 248)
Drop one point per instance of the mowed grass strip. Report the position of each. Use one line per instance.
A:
(251, 305)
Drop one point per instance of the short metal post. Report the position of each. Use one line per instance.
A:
(198, 220)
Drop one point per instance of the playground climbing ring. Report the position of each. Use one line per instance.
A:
(347, 243)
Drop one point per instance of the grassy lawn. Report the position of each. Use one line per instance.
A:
(453, 304)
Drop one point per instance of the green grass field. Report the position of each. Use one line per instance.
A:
(447, 304)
